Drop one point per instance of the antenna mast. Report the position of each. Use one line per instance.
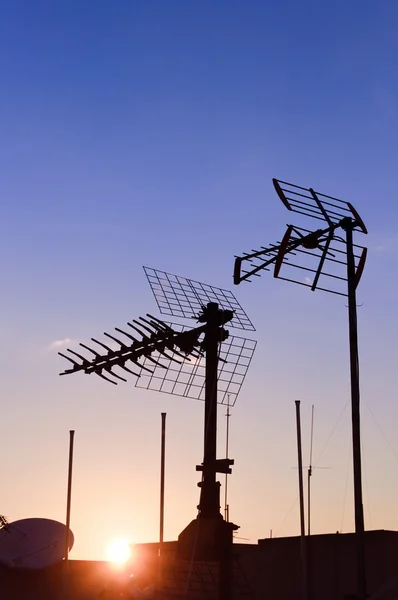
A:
(310, 474)
(226, 506)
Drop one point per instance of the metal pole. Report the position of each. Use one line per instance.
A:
(162, 471)
(226, 507)
(161, 518)
(301, 492)
(68, 508)
(355, 413)
(209, 504)
(309, 502)
(69, 496)
(309, 476)
(309, 540)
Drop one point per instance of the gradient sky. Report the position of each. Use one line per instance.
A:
(147, 132)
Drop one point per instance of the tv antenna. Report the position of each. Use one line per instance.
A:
(325, 259)
(194, 362)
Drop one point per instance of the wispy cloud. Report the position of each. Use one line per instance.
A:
(58, 344)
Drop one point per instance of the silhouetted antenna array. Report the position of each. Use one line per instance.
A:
(306, 201)
(168, 358)
(156, 338)
(188, 379)
(316, 259)
(325, 259)
(3, 522)
(182, 297)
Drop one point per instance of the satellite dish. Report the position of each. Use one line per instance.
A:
(33, 543)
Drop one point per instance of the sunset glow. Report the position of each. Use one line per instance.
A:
(119, 551)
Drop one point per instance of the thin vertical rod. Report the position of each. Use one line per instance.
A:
(226, 511)
(310, 475)
(301, 492)
(69, 494)
(309, 541)
(355, 415)
(68, 511)
(162, 476)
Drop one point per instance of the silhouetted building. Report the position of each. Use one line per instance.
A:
(270, 570)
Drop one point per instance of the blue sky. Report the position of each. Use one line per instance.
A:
(148, 132)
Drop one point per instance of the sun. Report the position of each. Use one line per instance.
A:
(119, 551)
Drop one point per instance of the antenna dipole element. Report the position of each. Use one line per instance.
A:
(161, 338)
